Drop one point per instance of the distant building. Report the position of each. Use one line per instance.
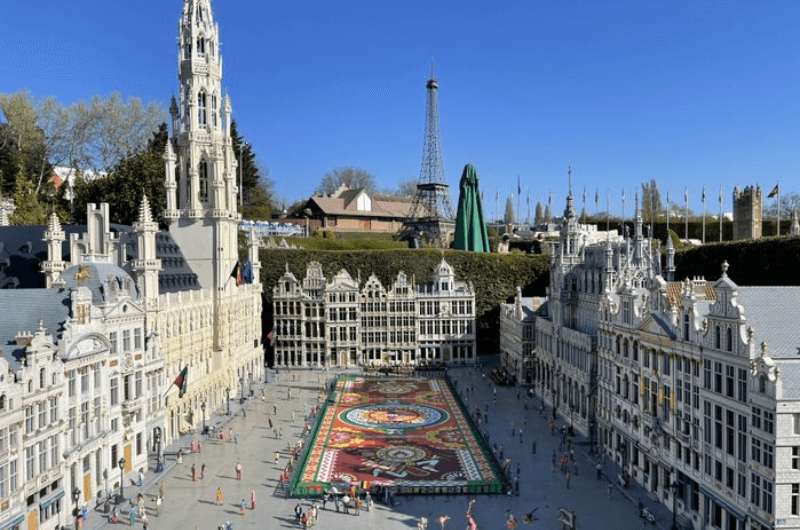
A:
(339, 323)
(356, 210)
(747, 213)
(518, 336)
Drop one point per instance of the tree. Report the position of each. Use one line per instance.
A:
(508, 217)
(538, 213)
(352, 177)
(407, 189)
(257, 190)
(651, 200)
(138, 173)
(29, 211)
(22, 142)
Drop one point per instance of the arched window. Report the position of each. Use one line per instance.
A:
(42, 378)
(729, 339)
(201, 108)
(201, 46)
(3, 402)
(203, 171)
(214, 110)
(717, 339)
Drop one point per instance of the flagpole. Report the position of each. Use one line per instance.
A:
(720, 213)
(778, 197)
(608, 211)
(704, 215)
(686, 215)
(519, 192)
(667, 214)
(623, 212)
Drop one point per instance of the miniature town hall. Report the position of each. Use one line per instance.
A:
(341, 323)
(689, 387)
(90, 348)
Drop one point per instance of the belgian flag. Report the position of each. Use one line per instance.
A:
(236, 274)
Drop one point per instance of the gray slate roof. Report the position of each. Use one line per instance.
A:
(774, 314)
(790, 375)
(23, 309)
(22, 250)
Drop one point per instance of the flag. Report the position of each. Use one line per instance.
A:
(519, 186)
(703, 197)
(686, 196)
(597, 199)
(584, 195)
(236, 274)
(181, 381)
(720, 195)
(774, 193)
(247, 273)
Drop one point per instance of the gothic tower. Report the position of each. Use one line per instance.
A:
(147, 264)
(747, 213)
(200, 163)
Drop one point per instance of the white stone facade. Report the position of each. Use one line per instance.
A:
(517, 337)
(342, 323)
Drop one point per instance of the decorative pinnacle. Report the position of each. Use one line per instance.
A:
(54, 224)
(145, 215)
(725, 268)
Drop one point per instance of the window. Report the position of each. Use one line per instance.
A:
(686, 326)
(12, 476)
(42, 378)
(71, 383)
(42, 456)
(742, 385)
(796, 457)
(201, 109)
(112, 338)
(717, 336)
(114, 391)
(28, 420)
(203, 171)
(54, 459)
(30, 460)
(769, 422)
(201, 46)
(84, 380)
(126, 341)
(42, 406)
(795, 499)
(214, 112)
(718, 378)
(137, 339)
(729, 339)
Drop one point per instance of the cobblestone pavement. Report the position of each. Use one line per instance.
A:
(191, 505)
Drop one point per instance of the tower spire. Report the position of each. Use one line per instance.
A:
(569, 211)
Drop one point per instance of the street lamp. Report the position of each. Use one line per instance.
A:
(76, 495)
(266, 372)
(674, 487)
(203, 408)
(228, 400)
(121, 465)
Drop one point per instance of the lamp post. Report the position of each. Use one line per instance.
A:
(266, 372)
(228, 400)
(76, 495)
(203, 408)
(674, 487)
(121, 465)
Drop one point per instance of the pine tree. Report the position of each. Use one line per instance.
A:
(509, 218)
(539, 214)
(256, 188)
(29, 211)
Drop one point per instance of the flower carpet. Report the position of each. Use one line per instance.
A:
(412, 434)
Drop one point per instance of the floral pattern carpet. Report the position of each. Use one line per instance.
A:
(409, 433)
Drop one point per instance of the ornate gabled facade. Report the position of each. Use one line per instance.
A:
(698, 398)
(340, 322)
(565, 372)
(518, 337)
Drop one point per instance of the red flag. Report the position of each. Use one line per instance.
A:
(182, 381)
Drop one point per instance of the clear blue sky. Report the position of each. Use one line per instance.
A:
(685, 92)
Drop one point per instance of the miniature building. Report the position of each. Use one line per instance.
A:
(747, 213)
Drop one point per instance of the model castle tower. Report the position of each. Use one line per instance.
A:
(200, 162)
(747, 213)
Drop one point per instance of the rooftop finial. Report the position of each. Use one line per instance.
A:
(569, 178)
(725, 268)
(145, 215)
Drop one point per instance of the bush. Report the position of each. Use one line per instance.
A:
(494, 276)
(768, 261)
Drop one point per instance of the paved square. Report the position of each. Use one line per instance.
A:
(409, 433)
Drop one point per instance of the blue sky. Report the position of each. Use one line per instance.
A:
(688, 93)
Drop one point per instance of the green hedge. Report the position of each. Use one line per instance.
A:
(347, 243)
(494, 276)
(768, 261)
